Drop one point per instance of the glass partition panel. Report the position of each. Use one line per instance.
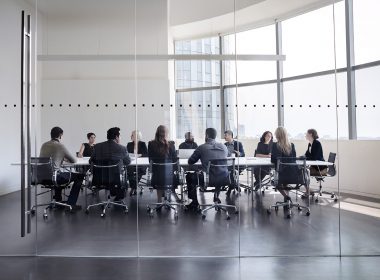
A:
(86, 68)
(15, 220)
(178, 99)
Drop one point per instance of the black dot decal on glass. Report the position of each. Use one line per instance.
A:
(189, 105)
(309, 106)
(365, 106)
(78, 105)
(245, 105)
(88, 105)
(97, 105)
(199, 105)
(337, 106)
(356, 106)
(227, 105)
(180, 105)
(319, 106)
(346, 106)
(125, 105)
(291, 106)
(374, 106)
(42, 105)
(60, 105)
(171, 105)
(143, 105)
(115, 105)
(254, 105)
(14, 105)
(300, 106)
(69, 105)
(134, 105)
(33, 105)
(217, 105)
(208, 105)
(162, 105)
(328, 106)
(282, 105)
(263, 105)
(152, 105)
(273, 106)
(106, 105)
(51, 105)
(5, 105)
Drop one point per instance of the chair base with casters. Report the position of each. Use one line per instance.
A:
(319, 192)
(166, 203)
(218, 207)
(289, 205)
(53, 203)
(107, 204)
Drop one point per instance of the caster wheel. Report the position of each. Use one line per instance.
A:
(320, 194)
(45, 216)
(176, 216)
(262, 192)
(332, 196)
(102, 215)
(317, 200)
(336, 200)
(141, 192)
(148, 209)
(228, 218)
(288, 216)
(245, 190)
(203, 217)
(236, 212)
(276, 208)
(269, 212)
(87, 212)
(125, 211)
(217, 209)
(299, 209)
(33, 212)
(307, 213)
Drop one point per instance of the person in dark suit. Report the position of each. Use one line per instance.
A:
(315, 152)
(138, 148)
(263, 150)
(161, 150)
(112, 151)
(234, 147)
(282, 149)
(189, 142)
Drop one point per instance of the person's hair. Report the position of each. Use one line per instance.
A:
(138, 134)
(211, 133)
(262, 139)
(90, 134)
(283, 142)
(161, 140)
(112, 133)
(229, 132)
(187, 135)
(55, 132)
(313, 133)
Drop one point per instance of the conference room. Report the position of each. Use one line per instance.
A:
(250, 87)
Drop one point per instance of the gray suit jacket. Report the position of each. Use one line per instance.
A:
(110, 151)
(57, 151)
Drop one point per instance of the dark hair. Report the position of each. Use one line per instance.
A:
(112, 133)
(90, 134)
(229, 132)
(211, 133)
(262, 139)
(161, 141)
(313, 133)
(56, 132)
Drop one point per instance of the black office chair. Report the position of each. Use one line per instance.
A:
(44, 175)
(290, 175)
(219, 175)
(267, 180)
(164, 175)
(104, 175)
(331, 172)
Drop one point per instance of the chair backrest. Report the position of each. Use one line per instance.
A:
(106, 173)
(164, 173)
(42, 171)
(332, 169)
(219, 170)
(291, 171)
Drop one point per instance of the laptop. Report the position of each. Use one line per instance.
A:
(185, 153)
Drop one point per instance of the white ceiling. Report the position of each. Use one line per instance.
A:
(188, 18)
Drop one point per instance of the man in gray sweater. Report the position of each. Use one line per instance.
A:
(58, 152)
(208, 151)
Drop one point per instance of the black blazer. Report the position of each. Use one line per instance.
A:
(141, 148)
(276, 153)
(110, 151)
(316, 151)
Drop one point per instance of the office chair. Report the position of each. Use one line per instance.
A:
(290, 175)
(220, 174)
(331, 172)
(43, 174)
(164, 175)
(267, 180)
(104, 175)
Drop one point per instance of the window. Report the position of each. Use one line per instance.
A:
(197, 73)
(368, 103)
(311, 103)
(308, 41)
(257, 110)
(197, 110)
(255, 41)
(366, 26)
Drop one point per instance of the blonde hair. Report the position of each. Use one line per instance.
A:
(283, 142)
(138, 134)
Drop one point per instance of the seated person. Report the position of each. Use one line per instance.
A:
(234, 147)
(315, 152)
(263, 150)
(161, 150)
(205, 152)
(111, 150)
(189, 142)
(86, 149)
(58, 152)
(137, 147)
(282, 149)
